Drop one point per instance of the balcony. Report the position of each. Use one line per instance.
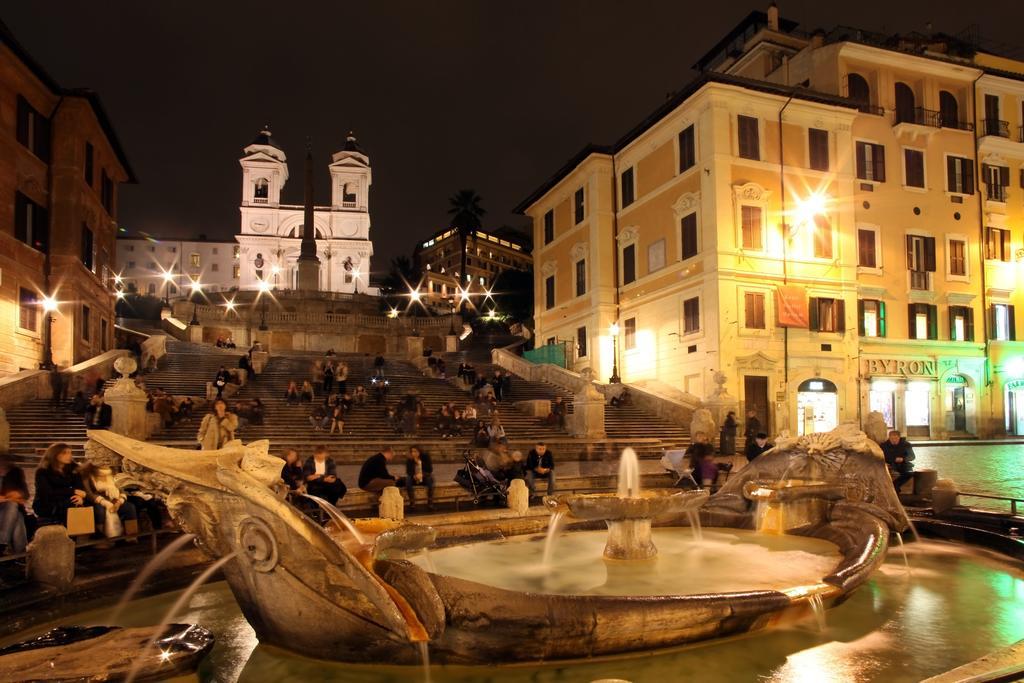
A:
(995, 193)
(995, 127)
(919, 280)
(260, 200)
(956, 125)
(872, 109)
(918, 116)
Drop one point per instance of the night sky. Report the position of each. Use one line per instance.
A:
(442, 95)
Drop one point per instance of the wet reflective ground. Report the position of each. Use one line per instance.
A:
(954, 606)
(998, 470)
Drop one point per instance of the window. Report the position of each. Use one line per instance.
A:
(1001, 322)
(997, 244)
(581, 342)
(215, 251)
(578, 205)
(688, 235)
(103, 333)
(751, 225)
(949, 110)
(959, 175)
(193, 260)
(656, 256)
(871, 318)
(215, 267)
(261, 190)
(88, 163)
(235, 251)
(923, 321)
(236, 271)
(867, 248)
(33, 130)
(961, 323)
(822, 237)
(31, 223)
(993, 125)
(920, 260)
(549, 292)
(348, 194)
(581, 277)
(629, 333)
(107, 192)
(628, 188)
(151, 289)
(86, 323)
(87, 253)
(687, 149)
(871, 162)
(857, 90)
(957, 257)
(749, 142)
(913, 167)
(28, 310)
(817, 147)
(753, 311)
(997, 179)
(827, 315)
(629, 264)
(691, 315)
(905, 105)
(549, 227)
(131, 247)
(131, 265)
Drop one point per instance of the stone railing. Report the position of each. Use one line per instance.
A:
(214, 315)
(28, 385)
(175, 328)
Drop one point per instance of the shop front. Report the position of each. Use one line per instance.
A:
(1014, 408)
(902, 390)
(817, 406)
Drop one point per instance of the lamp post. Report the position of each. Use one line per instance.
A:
(197, 288)
(451, 306)
(264, 287)
(168, 276)
(615, 379)
(355, 281)
(49, 306)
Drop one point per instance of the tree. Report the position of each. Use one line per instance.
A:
(513, 295)
(466, 214)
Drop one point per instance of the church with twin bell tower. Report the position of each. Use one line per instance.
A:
(304, 247)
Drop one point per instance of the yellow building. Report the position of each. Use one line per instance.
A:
(806, 218)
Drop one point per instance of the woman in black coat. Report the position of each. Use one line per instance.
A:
(58, 484)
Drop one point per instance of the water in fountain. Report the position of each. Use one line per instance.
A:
(338, 517)
(903, 550)
(429, 561)
(818, 608)
(698, 532)
(154, 564)
(424, 648)
(554, 527)
(629, 474)
(182, 600)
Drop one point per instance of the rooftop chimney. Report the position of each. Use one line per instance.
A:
(773, 17)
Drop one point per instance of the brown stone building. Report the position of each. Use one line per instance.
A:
(60, 167)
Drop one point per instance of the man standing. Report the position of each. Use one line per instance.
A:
(419, 471)
(540, 463)
(321, 476)
(98, 415)
(899, 456)
(752, 428)
(374, 476)
(759, 446)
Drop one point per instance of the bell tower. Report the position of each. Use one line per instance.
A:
(264, 171)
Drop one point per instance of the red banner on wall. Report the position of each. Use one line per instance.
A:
(791, 304)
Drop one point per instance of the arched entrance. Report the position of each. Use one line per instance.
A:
(817, 406)
(959, 403)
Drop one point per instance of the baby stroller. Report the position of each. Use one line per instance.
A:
(675, 463)
(480, 482)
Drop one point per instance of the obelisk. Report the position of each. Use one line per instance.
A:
(308, 263)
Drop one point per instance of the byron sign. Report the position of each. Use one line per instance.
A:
(900, 367)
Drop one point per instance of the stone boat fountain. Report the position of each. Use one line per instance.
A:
(370, 606)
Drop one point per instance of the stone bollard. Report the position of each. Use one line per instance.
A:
(392, 506)
(587, 419)
(127, 402)
(945, 496)
(451, 343)
(51, 557)
(518, 497)
(924, 483)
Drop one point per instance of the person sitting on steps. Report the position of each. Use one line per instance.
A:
(374, 476)
(321, 477)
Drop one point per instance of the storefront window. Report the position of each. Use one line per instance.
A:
(918, 405)
(1015, 407)
(817, 406)
(882, 399)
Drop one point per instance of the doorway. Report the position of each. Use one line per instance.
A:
(755, 397)
(817, 406)
(1015, 407)
(959, 409)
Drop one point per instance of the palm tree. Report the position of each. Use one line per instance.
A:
(466, 212)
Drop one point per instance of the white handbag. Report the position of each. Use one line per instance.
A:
(112, 527)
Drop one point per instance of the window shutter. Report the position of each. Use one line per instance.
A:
(950, 174)
(881, 318)
(912, 320)
(22, 127)
(953, 310)
(969, 323)
(878, 159)
(968, 178)
(1004, 176)
(933, 321)
(840, 315)
(861, 161)
(929, 254)
(20, 217)
(860, 317)
(1011, 323)
(42, 141)
(1005, 236)
(910, 252)
(986, 173)
(41, 229)
(992, 322)
(812, 314)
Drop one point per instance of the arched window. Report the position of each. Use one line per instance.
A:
(261, 189)
(817, 384)
(348, 193)
(296, 232)
(858, 90)
(949, 110)
(904, 103)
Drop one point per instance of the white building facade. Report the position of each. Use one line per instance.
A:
(166, 268)
(271, 232)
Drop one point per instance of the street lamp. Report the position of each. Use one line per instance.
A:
(451, 304)
(355, 281)
(49, 304)
(197, 288)
(168, 276)
(264, 288)
(614, 329)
